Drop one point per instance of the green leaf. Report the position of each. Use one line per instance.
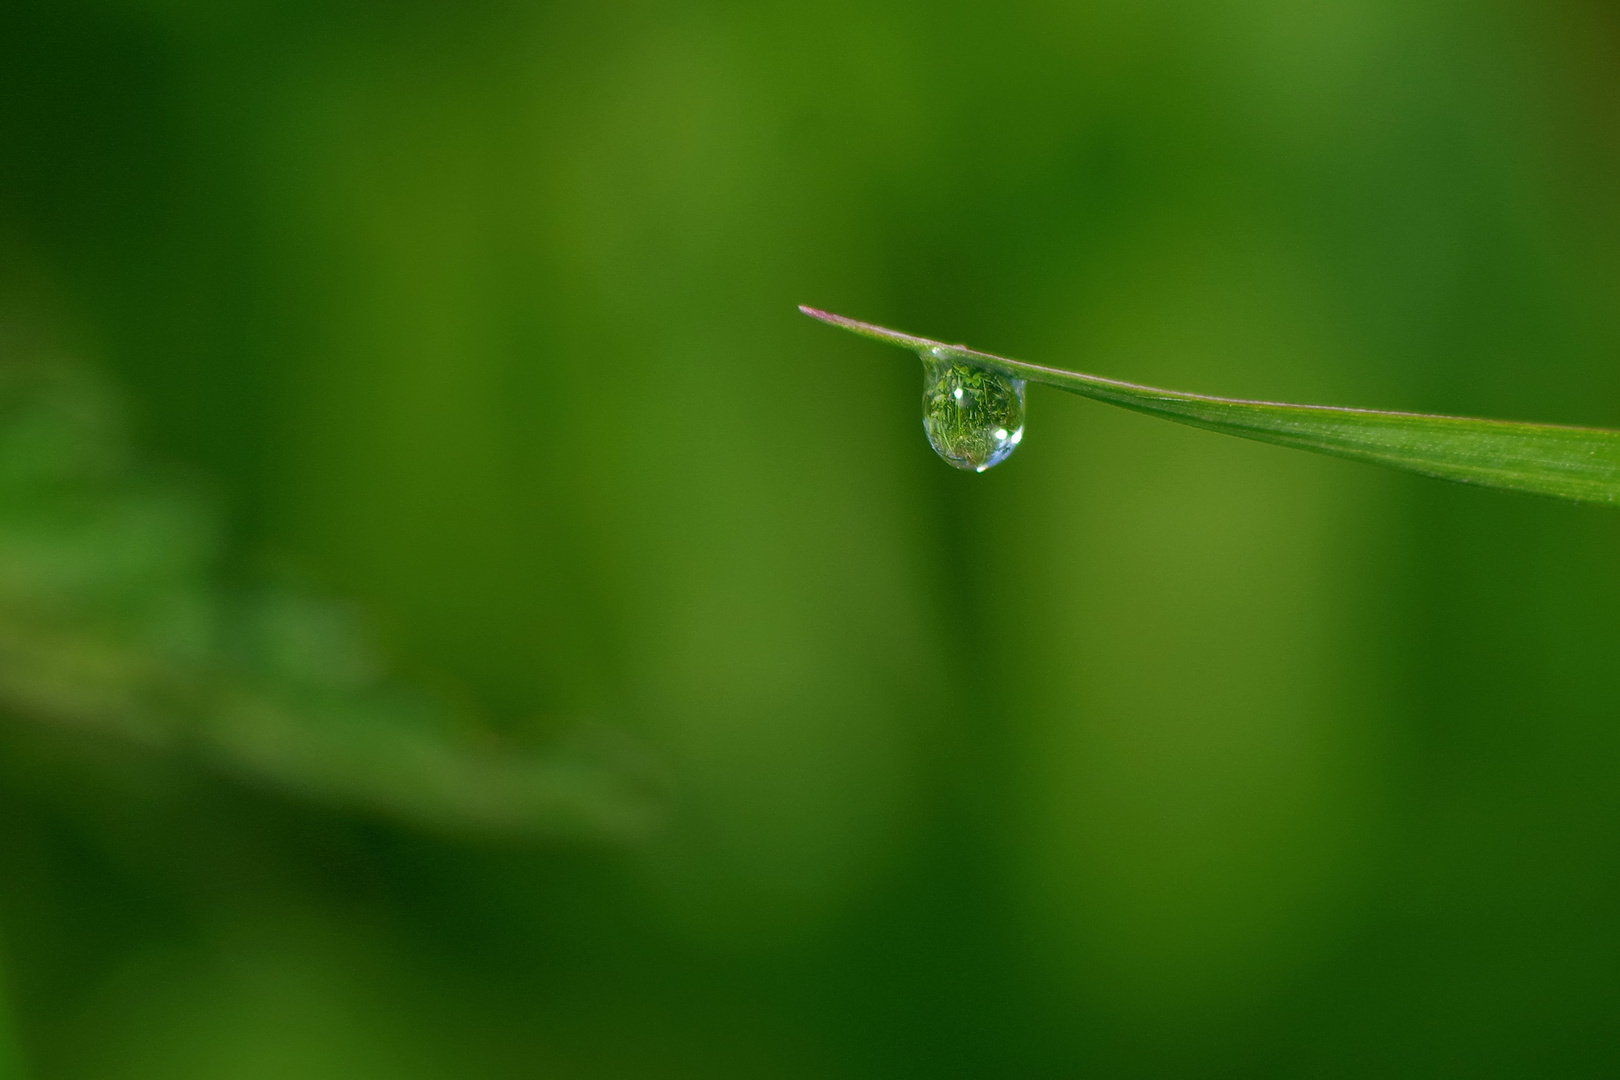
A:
(112, 624)
(1582, 464)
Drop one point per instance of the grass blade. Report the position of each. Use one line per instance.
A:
(1582, 464)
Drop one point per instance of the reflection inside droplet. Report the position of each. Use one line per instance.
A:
(974, 416)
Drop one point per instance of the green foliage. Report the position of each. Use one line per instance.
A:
(111, 622)
(1580, 464)
(1158, 755)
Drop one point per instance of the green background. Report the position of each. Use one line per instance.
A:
(1151, 753)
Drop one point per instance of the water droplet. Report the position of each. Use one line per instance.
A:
(974, 416)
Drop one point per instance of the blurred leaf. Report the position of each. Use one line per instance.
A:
(1582, 464)
(109, 622)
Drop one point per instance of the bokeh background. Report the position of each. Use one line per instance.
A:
(458, 620)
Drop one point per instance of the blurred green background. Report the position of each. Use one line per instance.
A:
(458, 620)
